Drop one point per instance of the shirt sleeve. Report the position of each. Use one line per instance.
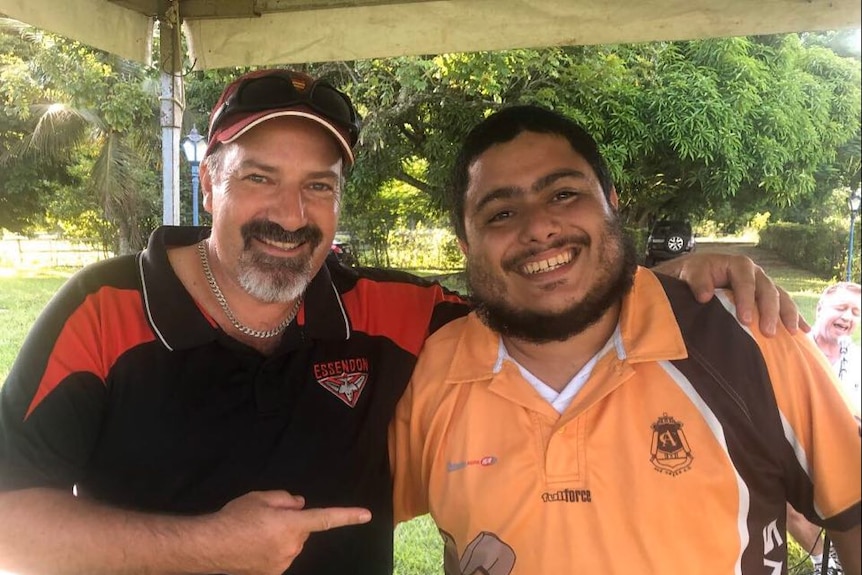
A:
(52, 401)
(824, 480)
(408, 430)
(406, 446)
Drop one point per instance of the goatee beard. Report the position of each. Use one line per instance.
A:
(270, 278)
(618, 257)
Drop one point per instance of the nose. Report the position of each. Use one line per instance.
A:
(850, 315)
(538, 225)
(289, 209)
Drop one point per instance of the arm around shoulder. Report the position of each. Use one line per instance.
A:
(753, 289)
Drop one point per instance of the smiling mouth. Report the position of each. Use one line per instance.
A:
(286, 246)
(549, 264)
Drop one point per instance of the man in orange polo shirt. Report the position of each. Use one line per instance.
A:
(592, 417)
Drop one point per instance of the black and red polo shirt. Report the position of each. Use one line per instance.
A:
(127, 390)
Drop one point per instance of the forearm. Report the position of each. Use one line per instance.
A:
(753, 290)
(847, 544)
(52, 532)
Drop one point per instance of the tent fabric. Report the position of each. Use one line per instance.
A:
(229, 33)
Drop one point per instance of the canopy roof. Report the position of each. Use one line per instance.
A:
(226, 33)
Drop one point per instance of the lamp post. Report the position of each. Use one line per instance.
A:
(194, 147)
(853, 203)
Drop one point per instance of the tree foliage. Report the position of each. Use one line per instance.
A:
(88, 116)
(720, 128)
(689, 128)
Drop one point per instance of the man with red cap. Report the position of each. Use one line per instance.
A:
(219, 402)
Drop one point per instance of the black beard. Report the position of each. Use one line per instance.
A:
(619, 255)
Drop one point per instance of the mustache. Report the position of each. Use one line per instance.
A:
(517, 260)
(268, 230)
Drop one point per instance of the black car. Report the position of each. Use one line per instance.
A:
(344, 253)
(667, 240)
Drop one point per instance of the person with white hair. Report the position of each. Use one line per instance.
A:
(835, 323)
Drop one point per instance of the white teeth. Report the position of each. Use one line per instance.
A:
(280, 245)
(548, 264)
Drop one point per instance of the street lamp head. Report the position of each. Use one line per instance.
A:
(194, 146)
(855, 201)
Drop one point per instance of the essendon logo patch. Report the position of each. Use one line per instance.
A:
(345, 378)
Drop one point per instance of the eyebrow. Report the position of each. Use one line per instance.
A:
(255, 165)
(506, 192)
(250, 164)
(546, 181)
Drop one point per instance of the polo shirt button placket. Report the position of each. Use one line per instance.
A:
(268, 392)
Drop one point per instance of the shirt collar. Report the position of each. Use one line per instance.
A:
(180, 324)
(324, 315)
(647, 331)
(171, 311)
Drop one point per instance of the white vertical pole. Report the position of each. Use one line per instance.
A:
(172, 102)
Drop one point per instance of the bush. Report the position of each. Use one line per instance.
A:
(798, 562)
(423, 248)
(819, 248)
(639, 237)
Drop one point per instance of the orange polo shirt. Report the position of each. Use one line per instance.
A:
(677, 455)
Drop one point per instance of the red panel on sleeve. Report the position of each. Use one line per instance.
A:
(407, 310)
(107, 324)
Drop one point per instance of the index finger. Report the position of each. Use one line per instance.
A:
(326, 518)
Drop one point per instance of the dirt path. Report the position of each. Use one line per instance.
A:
(767, 259)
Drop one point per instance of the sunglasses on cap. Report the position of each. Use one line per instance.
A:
(278, 89)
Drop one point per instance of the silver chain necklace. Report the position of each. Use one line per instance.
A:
(205, 262)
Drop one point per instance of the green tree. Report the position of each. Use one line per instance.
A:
(26, 186)
(729, 125)
(95, 116)
(725, 127)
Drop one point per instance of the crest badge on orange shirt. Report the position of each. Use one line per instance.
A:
(669, 450)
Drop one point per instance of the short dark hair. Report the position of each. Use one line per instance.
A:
(504, 126)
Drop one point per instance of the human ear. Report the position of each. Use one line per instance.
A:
(206, 188)
(613, 199)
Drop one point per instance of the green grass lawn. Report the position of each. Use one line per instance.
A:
(23, 294)
(418, 546)
(804, 289)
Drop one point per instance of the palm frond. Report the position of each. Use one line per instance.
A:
(58, 129)
(14, 26)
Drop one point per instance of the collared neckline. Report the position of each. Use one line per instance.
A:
(180, 323)
(647, 331)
